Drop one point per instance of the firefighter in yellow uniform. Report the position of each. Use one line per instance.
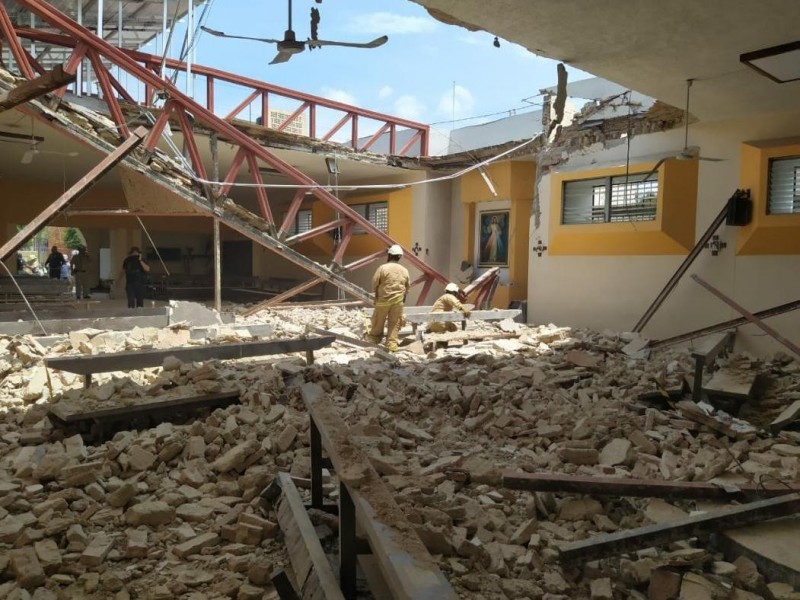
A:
(390, 284)
(449, 301)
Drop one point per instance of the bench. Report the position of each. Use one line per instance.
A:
(97, 425)
(142, 359)
(417, 319)
(404, 563)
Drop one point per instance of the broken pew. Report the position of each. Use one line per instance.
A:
(142, 359)
(312, 571)
(96, 425)
(407, 567)
(603, 546)
(642, 488)
(704, 356)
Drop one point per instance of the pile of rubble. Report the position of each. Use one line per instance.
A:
(176, 511)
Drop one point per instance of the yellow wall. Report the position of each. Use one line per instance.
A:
(672, 231)
(766, 234)
(513, 181)
(400, 214)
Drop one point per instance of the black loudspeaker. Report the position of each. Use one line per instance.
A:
(740, 209)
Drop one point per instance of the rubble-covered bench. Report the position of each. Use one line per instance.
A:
(416, 319)
(142, 359)
(98, 424)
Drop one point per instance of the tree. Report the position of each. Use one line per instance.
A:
(73, 238)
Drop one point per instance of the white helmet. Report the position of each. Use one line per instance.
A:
(451, 287)
(395, 250)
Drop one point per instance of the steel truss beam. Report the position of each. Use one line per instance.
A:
(260, 90)
(180, 105)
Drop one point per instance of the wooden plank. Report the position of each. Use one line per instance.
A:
(731, 383)
(468, 336)
(33, 88)
(718, 421)
(789, 415)
(63, 414)
(140, 359)
(642, 488)
(315, 578)
(603, 546)
(407, 567)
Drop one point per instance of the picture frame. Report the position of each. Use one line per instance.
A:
(493, 235)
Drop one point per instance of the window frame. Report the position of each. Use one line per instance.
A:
(606, 184)
(795, 184)
(368, 207)
(295, 228)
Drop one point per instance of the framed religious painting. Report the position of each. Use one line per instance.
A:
(493, 238)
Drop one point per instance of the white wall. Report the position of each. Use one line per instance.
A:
(612, 292)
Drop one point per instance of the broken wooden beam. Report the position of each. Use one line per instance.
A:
(313, 573)
(620, 542)
(73, 193)
(642, 488)
(404, 561)
(26, 91)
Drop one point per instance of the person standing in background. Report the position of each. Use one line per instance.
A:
(54, 262)
(135, 268)
(80, 263)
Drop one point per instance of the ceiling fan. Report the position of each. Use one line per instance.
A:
(688, 152)
(289, 45)
(31, 152)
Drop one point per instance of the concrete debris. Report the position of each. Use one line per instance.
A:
(176, 510)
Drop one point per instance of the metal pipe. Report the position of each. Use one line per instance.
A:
(164, 17)
(189, 49)
(79, 72)
(749, 316)
(684, 266)
(119, 24)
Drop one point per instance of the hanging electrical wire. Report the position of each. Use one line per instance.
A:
(153, 244)
(378, 186)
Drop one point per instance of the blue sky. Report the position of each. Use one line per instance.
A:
(413, 76)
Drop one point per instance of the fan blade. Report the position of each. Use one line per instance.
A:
(708, 158)
(373, 44)
(655, 168)
(237, 37)
(27, 158)
(281, 57)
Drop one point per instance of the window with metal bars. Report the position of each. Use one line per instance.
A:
(302, 222)
(610, 199)
(376, 213)
(783, 187)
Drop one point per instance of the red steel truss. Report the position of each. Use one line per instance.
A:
(186, 112)
(259, 93)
